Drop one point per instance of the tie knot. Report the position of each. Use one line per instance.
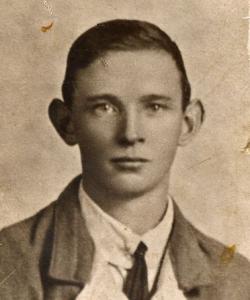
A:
(141, 249)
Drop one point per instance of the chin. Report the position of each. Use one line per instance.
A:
(130, 188)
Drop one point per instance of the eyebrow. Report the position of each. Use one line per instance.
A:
(112, 98)
(154, 97)
(108, 97)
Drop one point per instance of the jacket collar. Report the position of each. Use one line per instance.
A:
(188, 258)
(73, 248)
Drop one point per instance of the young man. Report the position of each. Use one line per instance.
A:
(115, 233)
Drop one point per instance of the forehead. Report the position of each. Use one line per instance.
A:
(131, 72)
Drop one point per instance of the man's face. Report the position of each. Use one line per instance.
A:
(127, 116)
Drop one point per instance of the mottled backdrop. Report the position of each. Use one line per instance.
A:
(211, 177)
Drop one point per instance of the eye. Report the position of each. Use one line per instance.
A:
(104, 108)
(155, 107)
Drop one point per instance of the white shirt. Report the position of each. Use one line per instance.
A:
(114, 246)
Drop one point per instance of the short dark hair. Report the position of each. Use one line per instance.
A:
(120, 35)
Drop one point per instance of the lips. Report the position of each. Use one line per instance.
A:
(129, 159)
(126, 163)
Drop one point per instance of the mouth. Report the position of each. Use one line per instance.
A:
(129, 163)
(129, 159)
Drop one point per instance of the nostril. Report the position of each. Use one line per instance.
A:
(141, 140)
(125, 141)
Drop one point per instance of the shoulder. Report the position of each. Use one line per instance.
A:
(29, 233)
(229, 268)
(24, 232)
(21, 244)
(25, 248)
(200, 260)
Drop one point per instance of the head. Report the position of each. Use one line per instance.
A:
(126, 103)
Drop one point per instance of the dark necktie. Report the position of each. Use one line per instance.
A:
(136, 283)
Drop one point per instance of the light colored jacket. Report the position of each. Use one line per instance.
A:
(49, 256)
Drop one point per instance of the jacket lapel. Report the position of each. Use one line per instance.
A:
(73, 249)
(189, 261)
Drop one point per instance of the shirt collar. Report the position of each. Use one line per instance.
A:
(118, 242)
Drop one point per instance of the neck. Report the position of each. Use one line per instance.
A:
(139, 213)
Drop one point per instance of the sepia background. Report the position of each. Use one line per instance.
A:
(210, 178)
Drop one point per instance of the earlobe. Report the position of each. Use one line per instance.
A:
(60, 117)
(193, 118)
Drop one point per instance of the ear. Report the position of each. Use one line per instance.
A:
(193, 118)
(61, 118)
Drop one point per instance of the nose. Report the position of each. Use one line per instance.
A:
(131, 131)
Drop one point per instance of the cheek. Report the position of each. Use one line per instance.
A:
(166, 133)
(94, 137)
